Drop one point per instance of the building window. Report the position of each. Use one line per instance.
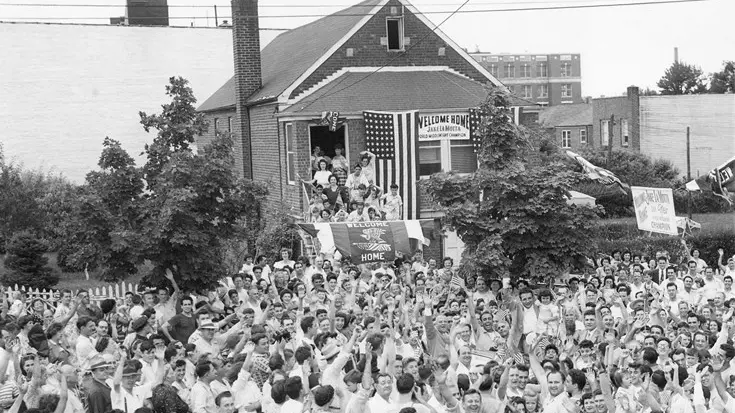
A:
(543, 91)
(527, 91)
(395, 33)
(509, 70)
(216, 125)
(566, 90)
(525, 70)
(583, 136)
(290, 153)
(229, 124)
(566, 139)
(447, 155)
(624, 137)
(566, 69)
(542, 70)
(494, 70)
(604, 132)
(484, 58)
(430, 158)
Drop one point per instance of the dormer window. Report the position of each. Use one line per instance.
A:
(394, 26)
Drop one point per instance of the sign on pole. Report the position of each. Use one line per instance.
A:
(654, 209)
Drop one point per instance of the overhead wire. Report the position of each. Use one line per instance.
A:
(451, 13)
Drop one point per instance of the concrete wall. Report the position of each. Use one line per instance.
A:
(711, 119)
(65, 87)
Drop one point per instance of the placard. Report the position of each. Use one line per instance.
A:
(435, 127)
(654, 209)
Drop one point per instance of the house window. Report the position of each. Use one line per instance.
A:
(395, 33)
(566, 139)
(484, 58)
(566, 90)
(566, 69)
(290, 153)
(216, 125)
(509, 70)
(229, 124)
(543, 91)
(624, 138)
(430, 158)
(542, 70)
(527, 91)
(583, 136)
(494, 70)
(446, 155)
(525, 70)
(604, 132)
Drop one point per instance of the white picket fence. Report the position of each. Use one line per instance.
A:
(96, 295)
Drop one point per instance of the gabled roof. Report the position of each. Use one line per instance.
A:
(578, 114)
(393, 90)
(292, 53)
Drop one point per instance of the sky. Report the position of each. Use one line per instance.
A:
(619, 46)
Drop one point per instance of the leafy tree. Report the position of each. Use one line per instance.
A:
(724, 80)
(511, 214)
(181, 210)
(279, 233)
(27, 264)
(682, 79)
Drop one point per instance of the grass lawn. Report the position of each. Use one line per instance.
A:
(74, 280)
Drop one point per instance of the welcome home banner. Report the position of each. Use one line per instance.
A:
(654, 209)
(372, 241)
(440, 126)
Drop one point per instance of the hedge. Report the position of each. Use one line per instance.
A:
(707, 244)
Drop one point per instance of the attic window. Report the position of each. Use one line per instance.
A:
(395, 33)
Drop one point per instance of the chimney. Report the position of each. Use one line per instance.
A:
(676, 55)
(634, 126)
(246, 44)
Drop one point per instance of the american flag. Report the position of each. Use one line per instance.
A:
(391, 137)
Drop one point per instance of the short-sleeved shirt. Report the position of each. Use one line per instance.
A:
(182, 327)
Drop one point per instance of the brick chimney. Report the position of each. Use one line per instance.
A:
(246, 44)
(635, 117)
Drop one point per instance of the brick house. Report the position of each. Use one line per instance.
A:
(379, 55)
(570, 125)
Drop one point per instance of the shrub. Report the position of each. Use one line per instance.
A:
(27, 264)
(707, 244)
(278, 233)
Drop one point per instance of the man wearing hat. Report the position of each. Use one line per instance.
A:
(141, 329)
(125, 395)
(98, 392)
(211, 343)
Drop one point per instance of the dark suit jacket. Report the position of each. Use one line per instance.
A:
(98, 397)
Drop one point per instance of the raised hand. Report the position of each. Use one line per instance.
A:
(169, 274)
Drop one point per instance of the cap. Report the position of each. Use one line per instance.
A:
(99, 363)
(207, 325)
(330, 350)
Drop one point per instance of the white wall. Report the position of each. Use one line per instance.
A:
(711, 119)
(63, 88)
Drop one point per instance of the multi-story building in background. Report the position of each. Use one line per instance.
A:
(545, 79)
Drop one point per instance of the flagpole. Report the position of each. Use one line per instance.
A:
(689, 176)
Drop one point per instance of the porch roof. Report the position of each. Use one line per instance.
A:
(354, 92)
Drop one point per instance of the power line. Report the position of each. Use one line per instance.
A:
(451, 13)
(288, 6)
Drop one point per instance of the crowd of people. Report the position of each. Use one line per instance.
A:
(337, 194)
(316, 335)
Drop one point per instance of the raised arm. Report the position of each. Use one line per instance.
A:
(63, 395)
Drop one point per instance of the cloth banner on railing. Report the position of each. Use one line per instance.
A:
(371, 241)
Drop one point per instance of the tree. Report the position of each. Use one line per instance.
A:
(682, 79)
(724, 80)
(180, 211)
(512, 214)
(27, 264)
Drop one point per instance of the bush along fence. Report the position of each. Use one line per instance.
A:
(96, 295)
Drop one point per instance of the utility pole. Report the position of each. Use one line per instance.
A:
(610, 132)
(216, 20)
(689, 176)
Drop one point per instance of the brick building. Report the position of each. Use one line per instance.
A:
(616, 120)
(570, 125)
(379, 55)
(546, 79)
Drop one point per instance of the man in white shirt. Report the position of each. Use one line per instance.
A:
(358, 214)
(85, 346)
(295, 393)
(202, 399)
